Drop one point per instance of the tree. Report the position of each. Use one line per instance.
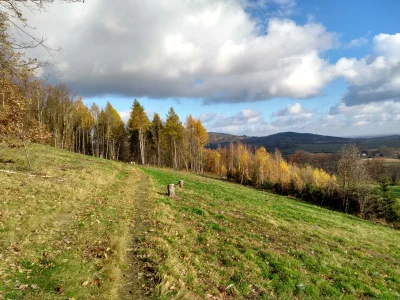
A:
(376, 169)
(114, 131)
(202, 140)
(352, 175)
(16, 128)
(174, 132)
(157, 128)
(84, 122)
(95, 112)
(11, 12)
(192, 141)
(140, 123)
(386, 202)
(262, 157)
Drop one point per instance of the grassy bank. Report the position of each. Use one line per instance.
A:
(222, 239)
(64, 226)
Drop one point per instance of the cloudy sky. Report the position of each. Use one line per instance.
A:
(251, 67)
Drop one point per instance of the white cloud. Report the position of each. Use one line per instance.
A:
(125, 115)
(292, 116)
(207, 49)
(374, 78)
(291, 109)
(363, 119)
(357, 43)
(244, 117)
(247, 121)
(371, 112)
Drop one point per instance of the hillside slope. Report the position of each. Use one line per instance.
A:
(86, 228)
(65, 226)
(221, 239)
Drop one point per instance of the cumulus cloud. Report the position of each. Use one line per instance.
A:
(212, 50)
(244, 117)
(374, 78)
(357, 43)
(125, 115)
(247, 121)
(386, 111)
(291, 109)
(292, 116)
(251, 122)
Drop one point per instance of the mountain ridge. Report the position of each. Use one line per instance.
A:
(288, 142)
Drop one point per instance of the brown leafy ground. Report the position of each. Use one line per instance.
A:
(66, 227)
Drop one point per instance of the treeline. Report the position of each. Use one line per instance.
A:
(377, 169)
(170, 143)
(356, 188)
(33, 111)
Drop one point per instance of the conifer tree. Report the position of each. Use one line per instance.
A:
(139, 123)
(174, 132)
(157, 128)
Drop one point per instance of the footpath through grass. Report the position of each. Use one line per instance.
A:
(220, 239)
(64, 226)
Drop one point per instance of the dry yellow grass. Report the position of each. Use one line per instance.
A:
(65, 225)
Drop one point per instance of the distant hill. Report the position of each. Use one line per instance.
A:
(215, 138)
(287, 142)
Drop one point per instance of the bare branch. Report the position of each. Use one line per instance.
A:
(11, 11)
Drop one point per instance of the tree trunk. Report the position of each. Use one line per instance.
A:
(108, 142)
(175, 160)
(27, 154)
(158, 152)
(142, 145)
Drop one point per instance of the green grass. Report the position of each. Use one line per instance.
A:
(395, 190)
(64, 226)
(219, 238)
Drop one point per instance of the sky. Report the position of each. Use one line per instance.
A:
(247, 67)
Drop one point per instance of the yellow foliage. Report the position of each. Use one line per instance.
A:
(321, 178)
(284, 172)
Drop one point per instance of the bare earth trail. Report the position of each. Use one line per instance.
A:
(138, 280)
(76, 227)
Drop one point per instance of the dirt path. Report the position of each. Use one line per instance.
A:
(138, 280)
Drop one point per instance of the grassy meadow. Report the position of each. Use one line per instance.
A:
(77, 227)
(220, 239)
(64, 227)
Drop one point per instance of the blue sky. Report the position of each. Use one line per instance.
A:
(251, 67)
